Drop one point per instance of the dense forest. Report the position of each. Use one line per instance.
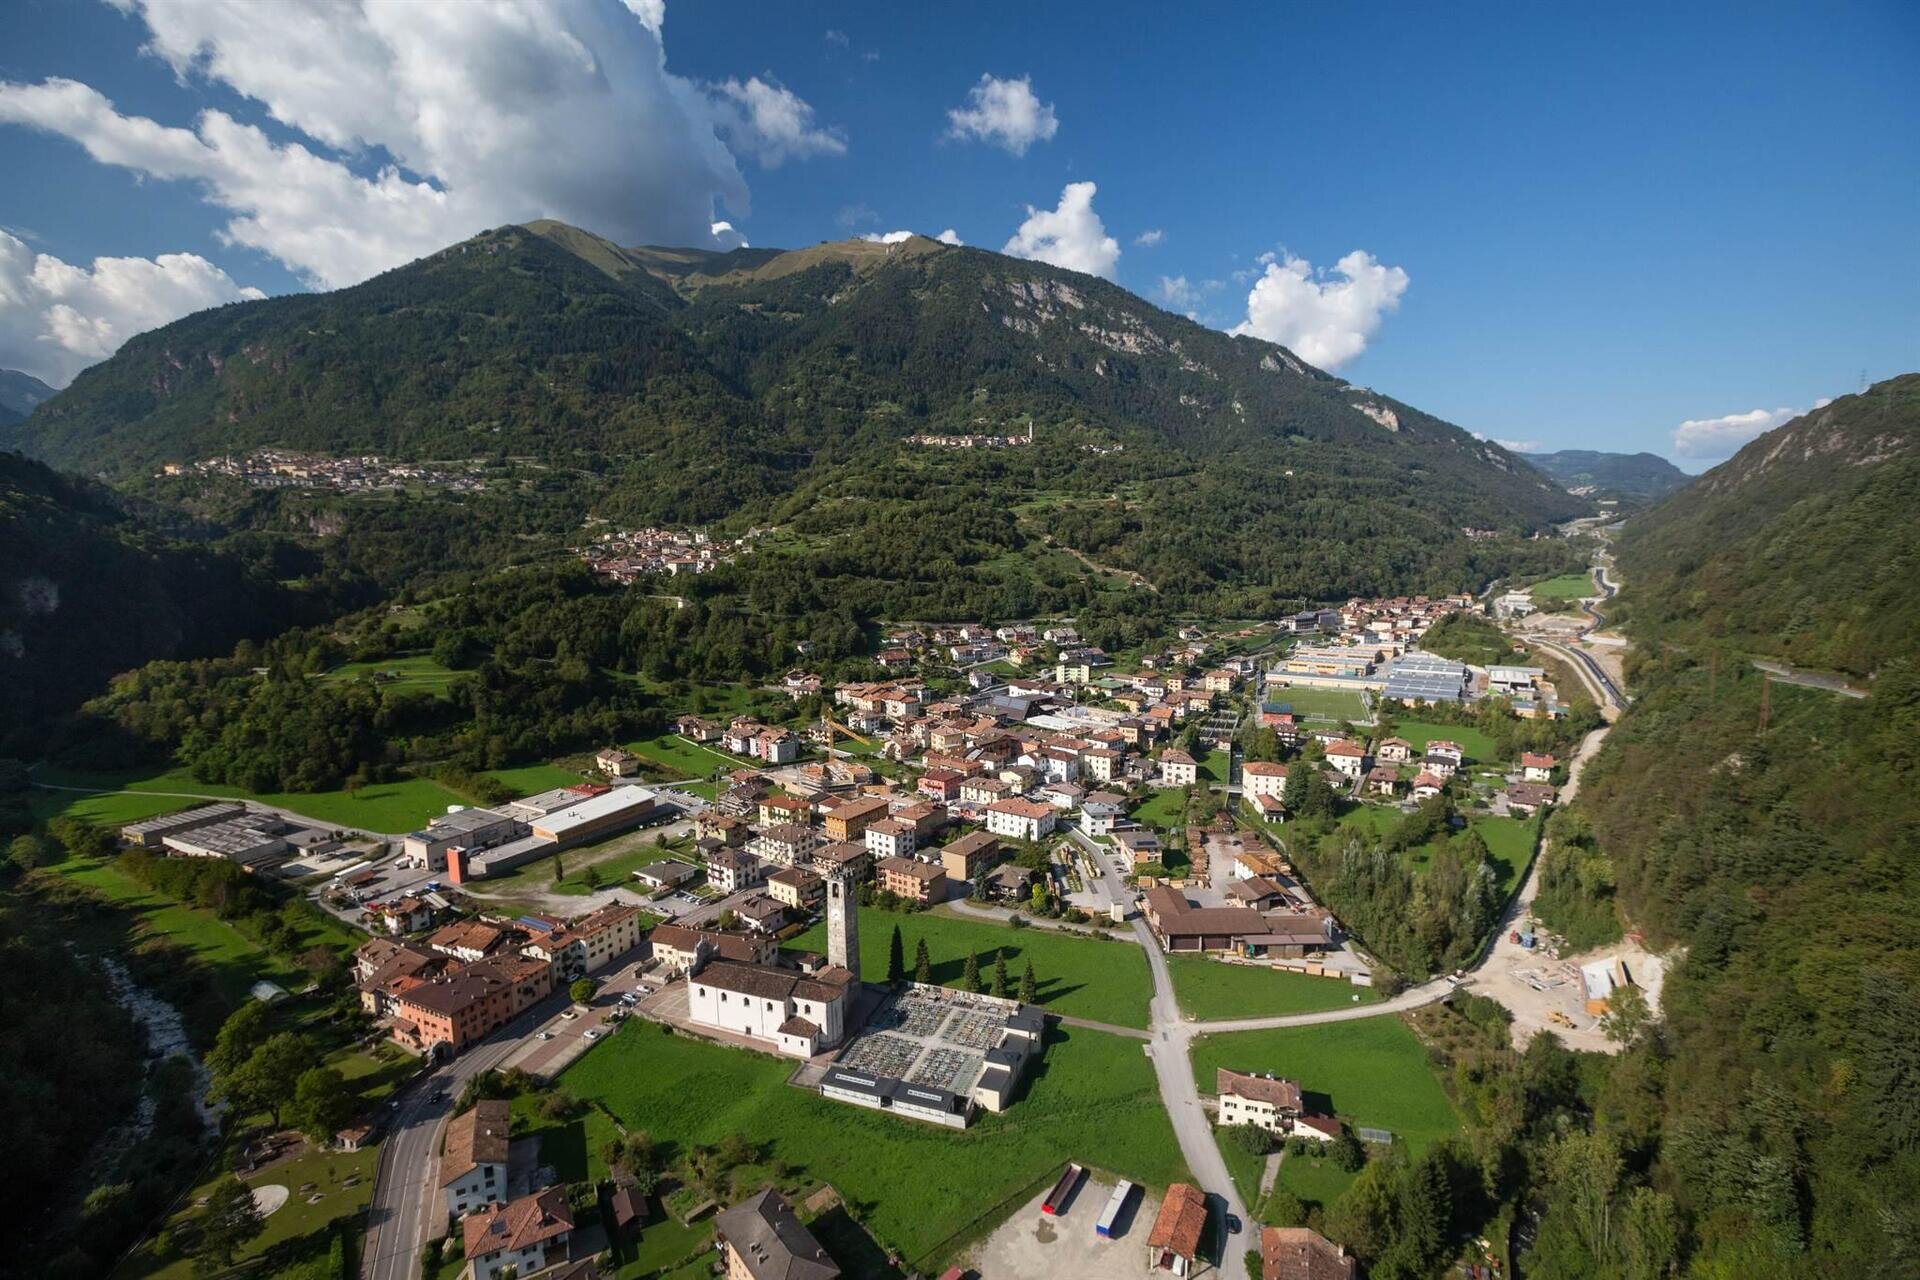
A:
(1770, 834)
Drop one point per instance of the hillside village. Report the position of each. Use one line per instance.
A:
(1005, 773)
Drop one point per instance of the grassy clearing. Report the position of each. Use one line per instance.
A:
(916, 1187)
(1419, 733)
(391, 808)
(1568, 586)
(534, 778)
(1208, 989)
(685, 757)
(1214, 766)
(1325, 704)
(1372, 1072)
(1164, 810)
(1510, 844)
(1099, 981)
(417, 673)
(235, 960)
(1316, 1179)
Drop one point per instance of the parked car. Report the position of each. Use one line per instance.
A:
(591, 1034)
(546, 1035)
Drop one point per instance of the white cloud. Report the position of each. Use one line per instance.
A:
(838, 38)
(770, 122)
(56, 318)
(950, 236)
(1150, 237)
(1069, 236)
(725, 237)
(1326, 318)
(491, 114)
(1722, 437)
(1006, 113)
(1514, 446)
(1179, 292)
(887, 237)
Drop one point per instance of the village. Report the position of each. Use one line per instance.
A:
(626, 555)
(1013, 777)
(289, 469)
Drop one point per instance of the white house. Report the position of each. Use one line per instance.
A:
(1350, 758)
(1019, 819)
(529, 1235)
(473, 1163)
(794, 1014)
(1177, 768)
(1263, 778)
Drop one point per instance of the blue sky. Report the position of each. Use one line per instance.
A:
(1579, 228)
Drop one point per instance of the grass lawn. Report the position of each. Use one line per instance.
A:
(416, 674)
(532, 779)
(1510, 844)
(1214, 766)
(1376, 818)
(1315, 1179)
(236, 961)
(1476, 744)
(1568, 586)
(1092, 1098)
(1165, 810)
(391, 808)
(326, 1170)
(1327, 704)
(1208, 990)
(1099, 981)
(685, 756)
(1372, 1072)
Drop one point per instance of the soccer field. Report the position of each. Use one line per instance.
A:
(1324, 704)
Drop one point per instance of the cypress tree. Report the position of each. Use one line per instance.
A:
(896, 957)
(922, 963)
(971, 975)
(1029, 986)
(1000, 973)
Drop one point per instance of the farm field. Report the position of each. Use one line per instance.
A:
(1568, 586)
(1372, 1072)
(1092, 1098)
(416, 673)
(1208, 989)
(1325, 704)
(390, 808)
(1478, 746)
(1099, 981)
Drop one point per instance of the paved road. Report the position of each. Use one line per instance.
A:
(1809, 679)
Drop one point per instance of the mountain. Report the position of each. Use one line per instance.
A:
(1800, 547)
(88, 589)
(20, 395)
(1631, 476)
(1765, 838)
(760, 387)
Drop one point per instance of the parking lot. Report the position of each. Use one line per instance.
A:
(1030, 1243)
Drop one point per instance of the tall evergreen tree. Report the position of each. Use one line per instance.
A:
(922, 963)
(1000, 973)
(1029, 985)
(896, 957)
(971, 975)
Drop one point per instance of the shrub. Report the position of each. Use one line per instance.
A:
(1250, 1138)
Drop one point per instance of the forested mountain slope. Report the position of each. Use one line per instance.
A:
(703, 387)
(1633, 476)
(1771, 835)
(87, 591)
(20, 395)
(1803, 546)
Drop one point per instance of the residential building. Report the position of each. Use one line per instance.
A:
(940, 784)
(1181, 926)
(529, 1234)
(1142, 844)
(731, 870)
(780, 807)
(668, 874)
(851, 820)
(1427, 785)
(1383, 780)
(473, 1162)
(985, 790)
(891, 838)
(1019, 819)
(591, 943)
(1263, 778)
(681, 950)
(797, 888)
(970, 855)
(786, 843)
(1348, 758)
(616, 763)
(1301, 1253)
(401, 915)
(847, 857)
(1174, 1242)
(911, 878)
(761, 1239)
(1177, 768)
(1265, 1100)
(1100, 812)
(760, 913)
(1528, 798)
(1537, 768)
(444, 1014)
(1394, 751)
(1442, 752)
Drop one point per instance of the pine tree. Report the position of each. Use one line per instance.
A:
(229, 1221)
(1000, 974)
(1029, 985)
(971, 975)
(922, 963)
(896, 957)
